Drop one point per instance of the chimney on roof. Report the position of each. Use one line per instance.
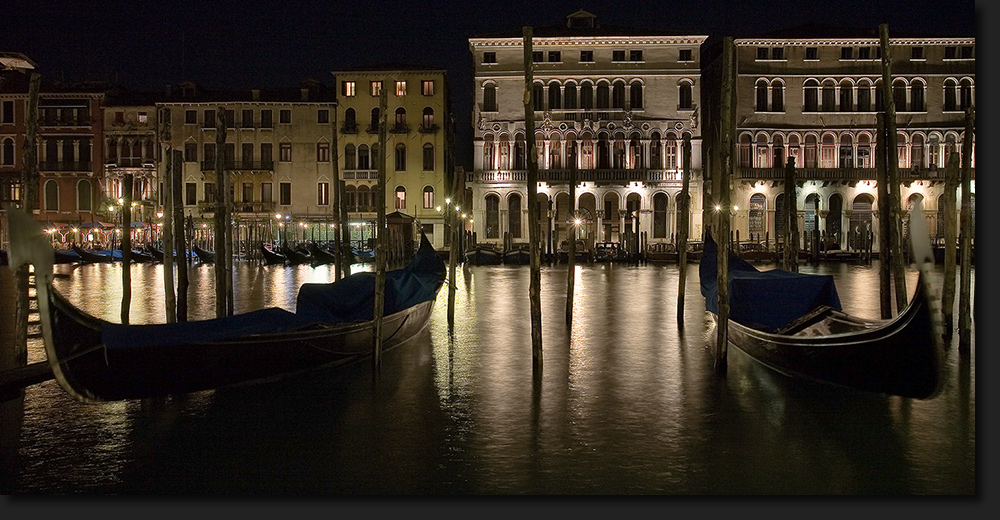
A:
(305, 94)
(255, 94)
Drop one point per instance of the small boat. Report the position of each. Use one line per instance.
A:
(793, 323)
(363, 255)
(757, 252)
(483, 254)
(661, 253)
(62, 256)
(142, 257)
(271, 257)
(582, 253)
(206, 257)
(93, 257)
(295, 256)
(517, 254)
(321, 255)
(157, 253)
(609, 252)
(94, 360)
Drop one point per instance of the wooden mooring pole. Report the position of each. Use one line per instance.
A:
(126, 245)
(683, 222)
(573, 230)
(534, 287)
(166, 224)
(948, 199)
(723, 215)
(882, 189)
(896, 258)
(381, 236)
(965, 291)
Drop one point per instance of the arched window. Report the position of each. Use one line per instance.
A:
(777, 96)
(428, 197)
(400, 120)
(777, 151)
(755, 214)
(400, 157)
(864, 152)
(555, 96)
(917, 152)
(967, 93)
(373, 126)
(349, 163)
(350, 121)
(899, 95)
(864, 97)
(950, 95)
(934, 151)
(366, 200)
(618, 95)
(829, 97)
(488, 162)
(586, 95)
(8, 152)
(827, 152)
(428, 162)
(635, 96)
(364, 159)
(84, 147)
(846, 151)
(555, 153)
(810, 93)
(514, 215)
(746, 152)
(428, 119)
(603, 155)
(684, 98)
(762, 159)
(761, 95)
(635, 147)
(400, 198)
(51, 196)
(901, 150)
(538, 96)
(917, 96)
(569, 95)
(492, 223)
(655, 158)
(810, 158)
(490, 98)
(670, 152)
(846, 96)
(519, 155)
(660, 202)
(84, 196)
(603, 96)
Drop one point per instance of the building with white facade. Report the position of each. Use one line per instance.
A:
(617, 102)
(813, 93)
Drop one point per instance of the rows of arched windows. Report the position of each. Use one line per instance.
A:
(589, 94)
(399, 123)
(360, 198)
(845, 149)
(863, 94)
(600, 150)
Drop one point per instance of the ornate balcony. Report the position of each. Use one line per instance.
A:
(600, 176)
(360, 175)
(249, 166)
(842, 174)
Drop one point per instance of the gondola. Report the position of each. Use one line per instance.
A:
(94, 360)
(92, 257)
(518, 254)
(793, 323)
(62, 256)
(661, 253)
(271, 257)
(321, 256)
(483, 254)
(295, 256)
(157, 253)
(206, 257)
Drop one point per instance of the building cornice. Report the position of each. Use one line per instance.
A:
(792, 42)
(591, 41)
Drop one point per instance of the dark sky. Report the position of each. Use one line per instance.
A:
(146, 45)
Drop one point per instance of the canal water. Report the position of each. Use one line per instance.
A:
(628, 402)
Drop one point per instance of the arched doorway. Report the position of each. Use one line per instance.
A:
(611, 220)
(859, 234)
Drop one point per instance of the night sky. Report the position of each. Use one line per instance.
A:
(247, 43)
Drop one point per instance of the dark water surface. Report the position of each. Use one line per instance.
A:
(627, 404)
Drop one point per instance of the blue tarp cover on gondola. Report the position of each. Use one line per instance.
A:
(764, 299)
(346, 300)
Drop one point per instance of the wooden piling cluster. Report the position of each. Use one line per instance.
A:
(965, 291)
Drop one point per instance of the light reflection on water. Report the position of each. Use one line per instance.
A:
(627, 402)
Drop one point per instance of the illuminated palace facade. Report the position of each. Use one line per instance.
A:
(813, 94)
(624, 100)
